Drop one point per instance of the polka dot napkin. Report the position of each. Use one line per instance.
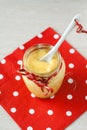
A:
(60, 110)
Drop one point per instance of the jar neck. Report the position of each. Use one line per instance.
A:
(33, 76)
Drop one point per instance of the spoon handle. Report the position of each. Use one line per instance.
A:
(50, 54)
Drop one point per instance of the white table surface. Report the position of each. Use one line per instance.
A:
(21, 20)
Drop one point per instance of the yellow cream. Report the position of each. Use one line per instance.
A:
(33, 63)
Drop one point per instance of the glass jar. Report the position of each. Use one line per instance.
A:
(42, 78)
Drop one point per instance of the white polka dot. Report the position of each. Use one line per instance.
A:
(17, 77)
(68, 113)
(0, 92)
(31, 111)
(13, 109)
(15, 93)
(32, 95)
(85, 97)
(3, 61)
(86, 66)
(1, 76)
(19, 62)
(52, 97)
(70, 80)
(21, 47)
(71, 65)
(55, 36)
(85, 81)
(72, 51)
(29, 128)
(40, 35)
(50, 112)
(48, 128)
(69, 96)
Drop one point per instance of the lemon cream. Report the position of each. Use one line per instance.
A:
(35, 65)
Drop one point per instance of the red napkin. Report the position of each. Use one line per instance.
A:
(55, 113)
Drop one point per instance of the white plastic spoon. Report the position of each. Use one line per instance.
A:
(50, 54)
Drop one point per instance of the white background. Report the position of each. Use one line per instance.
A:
(21, 20)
